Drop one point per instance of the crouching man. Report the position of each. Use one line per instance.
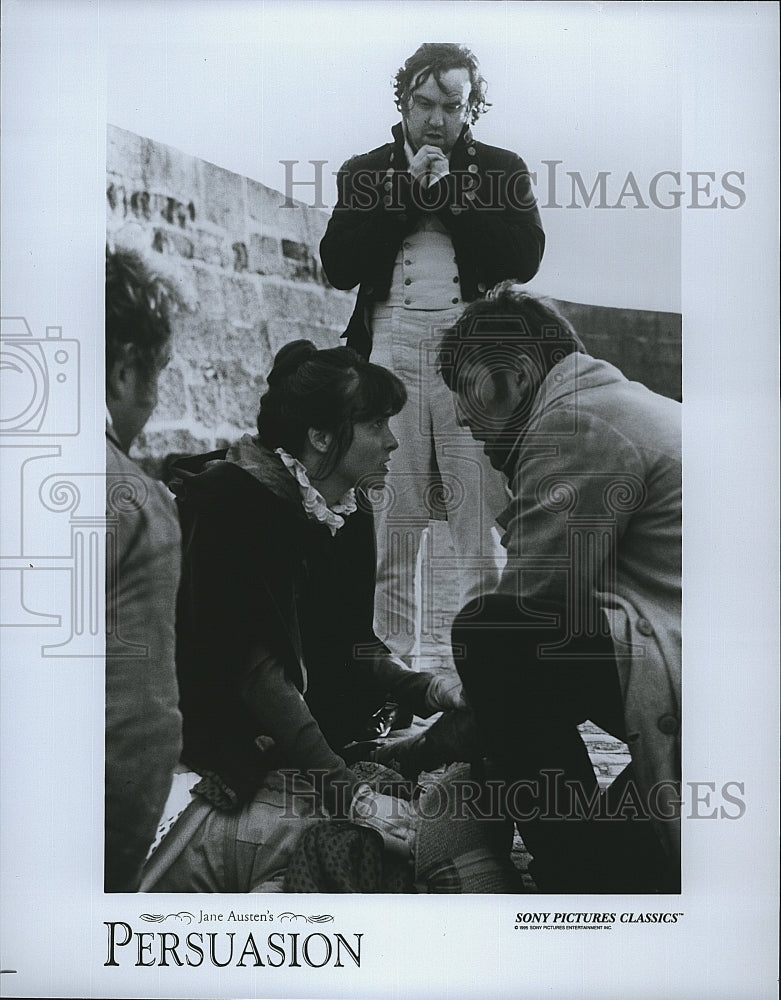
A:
(585, 623)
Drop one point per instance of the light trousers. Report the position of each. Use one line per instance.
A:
(438, 471)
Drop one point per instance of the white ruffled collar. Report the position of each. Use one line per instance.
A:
(314, 502)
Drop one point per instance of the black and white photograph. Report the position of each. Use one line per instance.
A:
(389, 441)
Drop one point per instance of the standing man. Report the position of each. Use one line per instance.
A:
(143, 723)
(586, 621)
(422, 225)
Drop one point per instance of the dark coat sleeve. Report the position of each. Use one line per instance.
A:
(363, 233)
(495, 226)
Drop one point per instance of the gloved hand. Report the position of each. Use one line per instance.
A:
(445, 693)
(392, 818)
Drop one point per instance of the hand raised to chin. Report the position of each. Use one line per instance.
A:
(429, 165)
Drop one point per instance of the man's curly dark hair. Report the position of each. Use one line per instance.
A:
(139, 306)
(435, 59)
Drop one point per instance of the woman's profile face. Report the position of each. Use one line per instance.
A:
(369, 453)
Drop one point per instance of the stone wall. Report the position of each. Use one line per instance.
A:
(250, 271)
(645, 345)
(253, 277)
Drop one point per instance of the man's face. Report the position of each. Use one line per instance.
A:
(487, 396)
(132, 394)
(435, 115)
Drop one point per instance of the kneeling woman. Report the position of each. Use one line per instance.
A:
(277, 660)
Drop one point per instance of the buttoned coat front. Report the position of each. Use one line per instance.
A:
(595, 526)
(486, 204)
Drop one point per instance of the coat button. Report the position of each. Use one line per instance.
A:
(387, 201)
(407, 244)
(481, 287)
(407, 263)
(455, 302)
(456, 210)
(472, 168)
(455, 279)
(668, 725)
(407, 302)
(471, 150)
(408, 281)
(388, 186)
(644, 627)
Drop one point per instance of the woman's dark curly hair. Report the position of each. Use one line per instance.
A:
(330, 390)
(435, 59)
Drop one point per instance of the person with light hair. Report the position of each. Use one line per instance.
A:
(143, 724)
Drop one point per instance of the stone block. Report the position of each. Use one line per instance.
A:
(171, 171)
(201, 340)
(251, 344)
(225, 394)
(653, 361)
(205, 397)
(264, 207)
(153, 444)
(644, 345)
(240, 396)
(175, 212)
(212, 248)
(168, 240)
(126, 154)
(339, 308)
(618, 758)
(282, 330)
(295, 251)
(264, 254)
(211, 302)
(140, 202)
(242, 296)
(305, 303)
(116, 198)
(222, 199)
(240, 256)
(172, 400)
